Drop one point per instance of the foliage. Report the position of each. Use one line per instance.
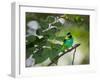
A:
(79, 27)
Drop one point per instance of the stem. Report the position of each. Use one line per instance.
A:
(73, 57)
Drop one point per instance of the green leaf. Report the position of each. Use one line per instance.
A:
(50, 19)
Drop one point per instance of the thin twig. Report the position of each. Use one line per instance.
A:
(73, 57)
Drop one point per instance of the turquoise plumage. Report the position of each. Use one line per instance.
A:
(68, 42)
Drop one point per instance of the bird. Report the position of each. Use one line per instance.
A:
(67, 42)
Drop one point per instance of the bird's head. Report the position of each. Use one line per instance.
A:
(68, 35)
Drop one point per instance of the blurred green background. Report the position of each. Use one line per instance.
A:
(77, 24)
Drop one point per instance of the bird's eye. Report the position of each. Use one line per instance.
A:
(68, 33)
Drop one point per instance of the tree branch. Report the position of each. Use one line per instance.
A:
(65, 52)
